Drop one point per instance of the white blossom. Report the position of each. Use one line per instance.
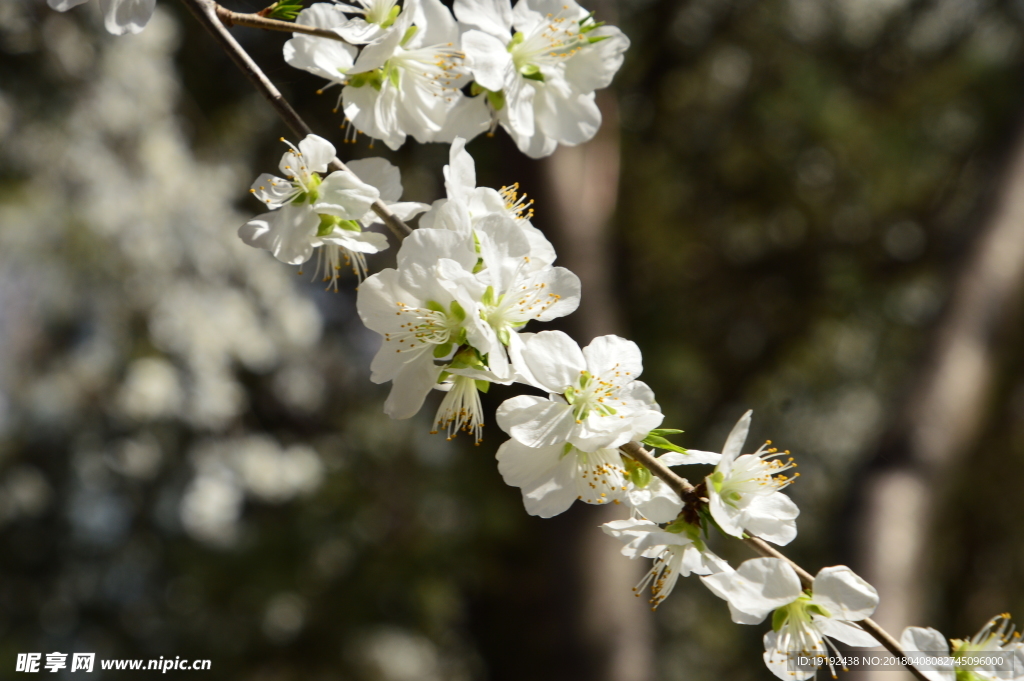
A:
(307, 211)
(996, 644)
(347, 241)
(677, 550)
(538, 66)
(407, 80)
(423, 311)
(376, 16)
(594, 398)
(471, 204)
(802, 620)
(324, 57)
(119, 16)
(744, 491)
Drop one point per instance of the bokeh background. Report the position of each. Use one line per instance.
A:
(811, 208)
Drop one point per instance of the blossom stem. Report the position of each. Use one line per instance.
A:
(206, 12)
(688, 494)
(230, 19)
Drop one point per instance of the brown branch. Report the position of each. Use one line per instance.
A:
(230, 19)
(206, 11)
(687, 492)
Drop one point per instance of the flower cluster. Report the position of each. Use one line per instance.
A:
(418, 71)
(309, 211)
(451, 314)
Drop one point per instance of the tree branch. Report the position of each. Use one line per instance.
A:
(229, 19)
(206, 11)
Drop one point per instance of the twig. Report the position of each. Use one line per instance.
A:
(206, 12)
(687, 492)
(230, 19)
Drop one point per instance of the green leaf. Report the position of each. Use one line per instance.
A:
(284, 10)
(483, 386)
(597, 39)
(441, 351)
(661, 443)
(666, 431)
(457, 311)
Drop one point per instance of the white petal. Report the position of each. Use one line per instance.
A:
(359, 242)
(921, 643)
(593, 67)
(844, 594)
(492, 16)
(316, 153)
(727, 516)
(468, 117)
(536, 424)
(380, 173)
(771, 517)
(734, 443)
(759, 586)
(435, 21)
(410, 387)
(451, 216)
(542, 473)
(273, 191)
(846, 632)
(323, 57)
(344, 195)
(692, 456)
(460, 173)
(323, 15)
(425, 247)
(607, 355)
(487, 59)
(552, 361)
(287, 233)
(570, 119)
(657, 501)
